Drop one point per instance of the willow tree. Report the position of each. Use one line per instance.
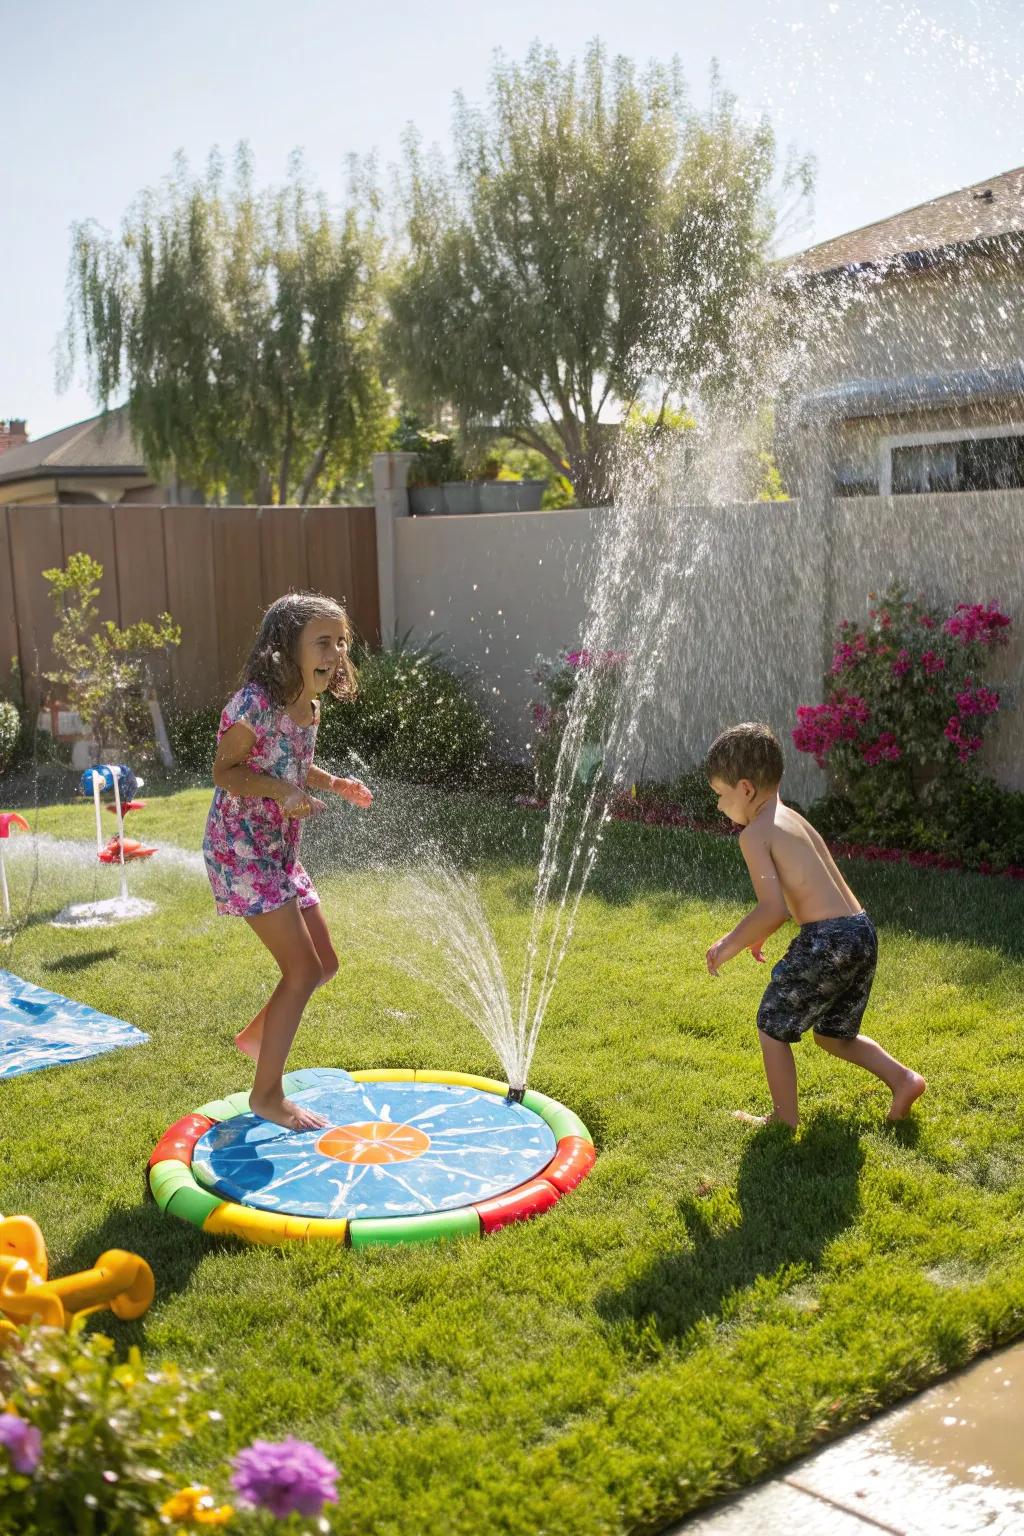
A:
(243, 326)
(592, 234)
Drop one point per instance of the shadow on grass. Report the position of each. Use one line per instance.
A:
(171, 1248)
(669, 866)
(72, 963)
(794, 1198)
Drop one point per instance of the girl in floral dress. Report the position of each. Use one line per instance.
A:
(264, 772)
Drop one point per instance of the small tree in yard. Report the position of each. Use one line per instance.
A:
(102, 669)
(593, 238)
(243, 327)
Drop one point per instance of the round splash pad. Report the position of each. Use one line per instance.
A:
(406, 1156)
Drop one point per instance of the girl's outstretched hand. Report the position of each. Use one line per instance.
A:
(353, 790)
(299, 802)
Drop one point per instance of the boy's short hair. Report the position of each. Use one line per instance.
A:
(749, 751)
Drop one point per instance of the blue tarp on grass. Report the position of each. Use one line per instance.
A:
(42, 1029)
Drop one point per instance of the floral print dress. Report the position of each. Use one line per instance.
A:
(251, 850)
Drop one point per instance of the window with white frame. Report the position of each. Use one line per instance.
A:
(984, 459)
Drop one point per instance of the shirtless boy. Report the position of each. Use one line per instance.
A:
(823, 980)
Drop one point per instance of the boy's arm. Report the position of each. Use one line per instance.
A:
(771, 910)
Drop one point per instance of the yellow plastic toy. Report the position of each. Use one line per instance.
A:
(121, 1281)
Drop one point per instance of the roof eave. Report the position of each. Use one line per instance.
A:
(906, 263)
(75, 472)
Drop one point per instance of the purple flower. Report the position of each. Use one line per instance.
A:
(901, 666)
(289, 1477)
(23, 1442)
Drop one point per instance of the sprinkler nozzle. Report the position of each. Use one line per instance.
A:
(515, 1095)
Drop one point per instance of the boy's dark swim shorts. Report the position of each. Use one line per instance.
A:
(822, 981)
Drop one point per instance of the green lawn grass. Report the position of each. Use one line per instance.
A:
(707, 1304)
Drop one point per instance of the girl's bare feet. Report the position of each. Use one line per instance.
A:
(250, 1038)
(284, 1112)
(745, 1118)
(910, 1089)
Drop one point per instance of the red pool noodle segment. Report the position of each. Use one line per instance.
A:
(517, 1205)
(572, 1162)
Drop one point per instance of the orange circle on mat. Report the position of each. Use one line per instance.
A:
(374, 1141)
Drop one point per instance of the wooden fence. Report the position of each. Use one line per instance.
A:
(214, 569)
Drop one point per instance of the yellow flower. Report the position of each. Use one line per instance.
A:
(196, 1504)
(219, 1515)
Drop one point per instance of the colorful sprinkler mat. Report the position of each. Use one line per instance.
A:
(42, 1029)
(406, 1156)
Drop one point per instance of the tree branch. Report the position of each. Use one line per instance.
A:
(313, 474)
(286, 460)
(527, 438)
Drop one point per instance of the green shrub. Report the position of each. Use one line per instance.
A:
(10, 730)
(193, 737)
(437, 460)
(107, 1431)
(692, 793)
(971, 821)
(412, 719)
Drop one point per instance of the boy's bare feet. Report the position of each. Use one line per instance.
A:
(911, 1088)
(250, 1039)
(284, 1112)
(745, 1118)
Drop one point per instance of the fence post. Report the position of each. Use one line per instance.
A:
(391, 500)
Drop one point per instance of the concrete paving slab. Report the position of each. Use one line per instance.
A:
(948, 1463)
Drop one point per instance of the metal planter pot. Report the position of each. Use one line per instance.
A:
(462, 497)
(426, 500)
(511, 495)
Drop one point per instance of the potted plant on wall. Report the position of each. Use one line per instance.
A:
(509, 493)
(436, 467)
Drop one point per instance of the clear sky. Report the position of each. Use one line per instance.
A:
(899, 102)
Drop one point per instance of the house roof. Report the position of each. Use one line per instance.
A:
(911, 392)
(102, 445)
(983, 211)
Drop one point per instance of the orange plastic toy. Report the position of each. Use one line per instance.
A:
(121, 1281)
(133, 849)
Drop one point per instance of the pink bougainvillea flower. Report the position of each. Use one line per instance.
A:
(983, 622)
(932, 663)
(884, 749)
(977, 701)
(901, 666)
(820, 726)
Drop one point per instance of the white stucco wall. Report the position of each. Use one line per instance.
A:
(750, 624)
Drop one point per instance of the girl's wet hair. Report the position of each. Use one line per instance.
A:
(749, 751)
(273, 660)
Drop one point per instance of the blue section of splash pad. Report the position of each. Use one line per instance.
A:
(42, 1029)
(453, 1146)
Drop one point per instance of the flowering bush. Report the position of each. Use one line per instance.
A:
(560, 680)
(905, 715)
(905, 690)
(86, 1445)
(85, 1441)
